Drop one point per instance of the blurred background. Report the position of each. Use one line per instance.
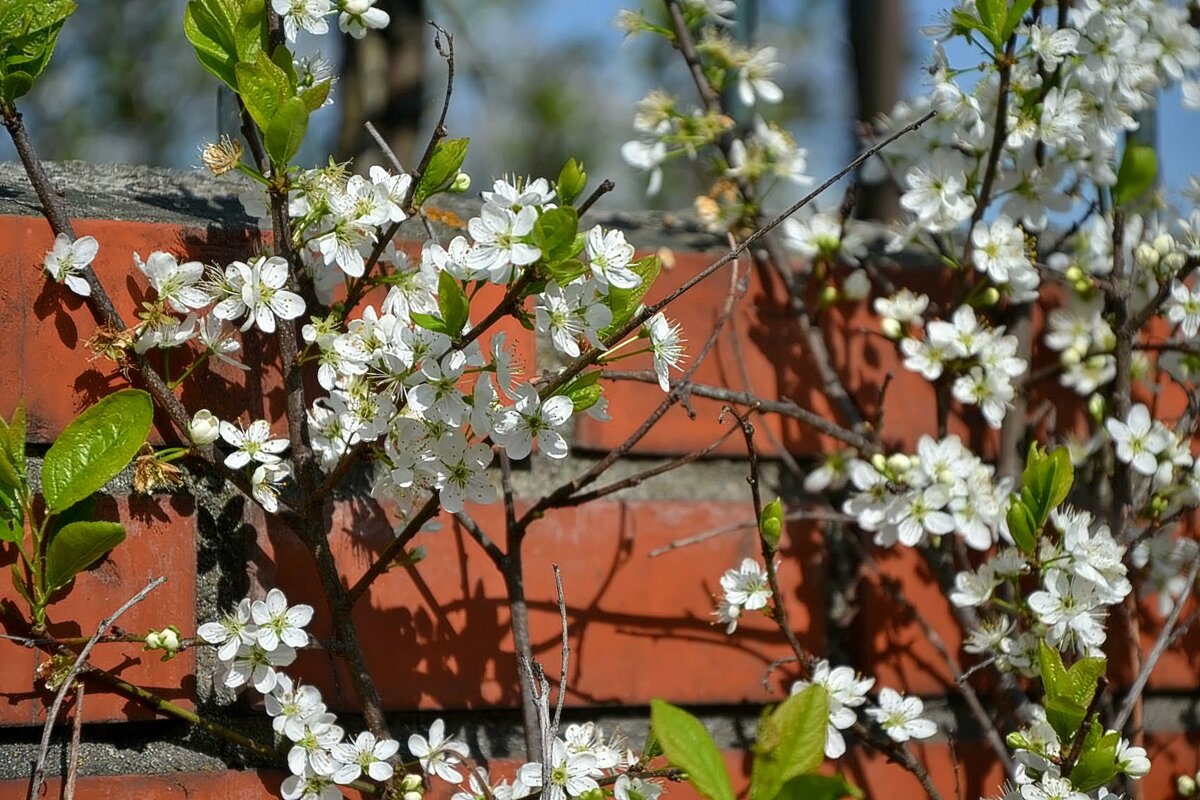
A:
(537, 81)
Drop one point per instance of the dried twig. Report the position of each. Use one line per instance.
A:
(39, 768)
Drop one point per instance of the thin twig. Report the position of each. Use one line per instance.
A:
(712, 533)
(384, 147)
(439, 131)
(566, 654)
(39, 769)
(1156, 652)
(76, 740)
(604, 188)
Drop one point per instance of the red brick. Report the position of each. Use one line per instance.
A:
(1171, 755)
(160, 541)
(979, 774)
(887, 637)
(638, 625)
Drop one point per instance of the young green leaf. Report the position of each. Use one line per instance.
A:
(210, 26)
(1015, 12)
(992, 14)
(12, 515)
(285, 132)
(431, 323)
(95, 447)
(263, 87)
(1097, 764)
(688, 746)
(250, 30)
(818, 787)
(791, 742)
(572, 180)
(1021, 525)
(1068, 692)
(76, 547)
(1136, 175)
(770, 522)
(585, 391)
(1046, 481)
(452, 303)
(554, 233)
(624, 302)
(566, 271)
(443, 165)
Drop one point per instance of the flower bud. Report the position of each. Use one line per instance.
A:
(879, 462)
(1164, 243)
(891, 328)
(412, 787)
(1074, 274)
(1070, 357)
(1146, 256)
(461, 182)
(770, 523)
(829, 296)
(1186, 786)
(1173, 262)
(856, 286)
(1096, 408)
(899, 463)
(204, 428)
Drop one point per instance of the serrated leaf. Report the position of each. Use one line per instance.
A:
(76, 547)
(791, 742)
(1021, 525)
(285, 132)
(97, 445)
(818, 787)
(210, 26)
(250, 30)
(444, 164)
(452, 303)
(263, 87)
(624, 302)
(1097, 764)
(688, 746)
(992, 14)
(554, 233)
(1136, 175)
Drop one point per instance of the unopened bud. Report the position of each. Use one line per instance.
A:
(1070, 357)
(461, 182)
(879, 462)
(856, 286)
(1074, 274)
(1186, 786)
(1146, 256)
(829, 296)
(1164, 243)
(899, 463)
(1173, 262)
(204, 428)
(891, 328)
(989, 297)
(1096, 408)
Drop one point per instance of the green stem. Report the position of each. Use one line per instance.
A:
(200, 360)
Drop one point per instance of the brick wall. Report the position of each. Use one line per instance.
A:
(437, 636)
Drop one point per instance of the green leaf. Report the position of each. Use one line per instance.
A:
(315, 96)
(76, 547)
(95, 447)
(992, 14)
(285, 132)
(1022, 526)
(688, 746)
(554, 233)
(15, 85)
(818, 787)
(1097, 764)
(624, 302)
(1013, 19)
(651, 749)
(1046, 481)
(18, 580)
(566, 271)
(250, 30)
(28, 33)
(263, 87)
(443, 165)
(12, 515)
(1137, 173)
(770, 522)
(211, 26)
(16, 436)
(431, 323)
(791, 742)
(585, 391)
(1069, 692)
(572, 180)
(452, 303)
